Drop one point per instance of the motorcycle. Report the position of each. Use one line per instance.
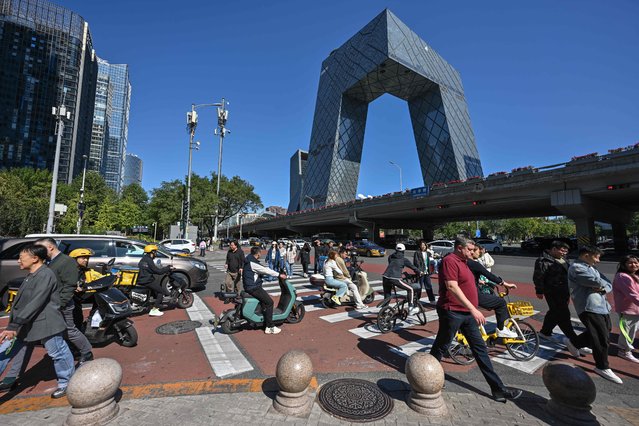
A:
(248, 312)
(108, 320)
(358, 276)
(179, 295)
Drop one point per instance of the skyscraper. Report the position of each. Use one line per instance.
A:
(111, 122)
(47, 59)
(132, 170)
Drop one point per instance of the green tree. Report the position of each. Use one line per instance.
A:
(165, 207)
(136, 194)
(24, 200)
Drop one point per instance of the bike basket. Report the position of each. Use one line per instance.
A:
(520, 308)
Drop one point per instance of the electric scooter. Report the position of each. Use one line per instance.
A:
(359, 277)
(248, 312)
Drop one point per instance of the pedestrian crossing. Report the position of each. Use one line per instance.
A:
(547, 350)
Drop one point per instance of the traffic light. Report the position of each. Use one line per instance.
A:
(617, 186)
(185, 209)
(478, 202)
(81, 207)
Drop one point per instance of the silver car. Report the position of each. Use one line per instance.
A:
(442, 247)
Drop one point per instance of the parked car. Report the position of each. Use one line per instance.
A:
(539, 244)
(490, 245)
(126, 251)
(243, 242)
(368, 248)
(442, 247)
(256, 242)
(299, 243)
(179, 244)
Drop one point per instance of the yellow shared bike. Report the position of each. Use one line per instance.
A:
(523, 347)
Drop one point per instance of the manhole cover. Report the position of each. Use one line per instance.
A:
(178, 327)
(354, 400)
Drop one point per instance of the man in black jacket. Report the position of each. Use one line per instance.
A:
(551, 282)
(392, 276)
(234, 264)
(149, 273)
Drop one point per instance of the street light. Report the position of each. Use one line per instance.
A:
(60, 113)
(81, 203)
(222, 117)
(312, 200)
(400, 176)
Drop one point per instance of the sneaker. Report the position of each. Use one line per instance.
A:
(85, 358)
(336, 300)
(585, 351)
(305, 275)
(608, 374)
(272, 330)
(59, 393)
(507, 394)
(412, 310)
(628, 356)
(546, 336)
(504, 332)
(571, 348)
(361, 308)
(8, 384)
(155, 312)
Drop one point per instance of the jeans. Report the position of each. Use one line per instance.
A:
(449, 323)
(558, 313)
(266, 302)
(495, 303)
(76, 337)
(272, 265)
(425, 283)
(339, 285)
(596, 337)
(57, 349)
(289, 268)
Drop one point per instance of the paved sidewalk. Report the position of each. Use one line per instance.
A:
(255, 408)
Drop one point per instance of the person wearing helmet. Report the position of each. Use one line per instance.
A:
(85, 275)
(149, 274)
(392, 276)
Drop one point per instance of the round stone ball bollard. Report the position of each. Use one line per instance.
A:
(294, 373)
(572, 392)
(426, 377)
(91, 393)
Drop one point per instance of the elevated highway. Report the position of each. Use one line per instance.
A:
(588, 188)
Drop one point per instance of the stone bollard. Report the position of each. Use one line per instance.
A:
(91, 391)
(426, 377)
(572, 392)
(294, 373)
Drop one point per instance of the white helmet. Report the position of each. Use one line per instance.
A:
(400, 247)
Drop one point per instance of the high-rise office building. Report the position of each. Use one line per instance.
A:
(132, 170)
(47, 59)
(111, 122)
(298, 166)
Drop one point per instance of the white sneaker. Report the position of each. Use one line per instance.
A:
(504, 332)
(628, 356)
(608, 374)
(585, 351)
(413, 310)
(571, 348)
(155, 312)
(361, 308)
(272, 330)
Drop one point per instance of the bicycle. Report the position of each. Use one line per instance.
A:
(522, 348)
(391, 312)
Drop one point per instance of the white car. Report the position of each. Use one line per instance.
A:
(244, 242)
(299, 243)
(490, 245)
(183, 245)
(442, 247)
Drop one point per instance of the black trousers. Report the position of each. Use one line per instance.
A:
(266, 302)
(159, 293)
(449, 323)
(428, 287)
(305, 267)
(558, 313)
(495, 303)
(412, 289)
(596, 337)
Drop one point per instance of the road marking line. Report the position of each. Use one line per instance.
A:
(223, 356)
(371, 330)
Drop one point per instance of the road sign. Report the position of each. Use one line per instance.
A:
(419, 192)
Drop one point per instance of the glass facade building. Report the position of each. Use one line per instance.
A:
(46, 59)
(132, 170)
(111, 122)
(385, 57)
(298, 166)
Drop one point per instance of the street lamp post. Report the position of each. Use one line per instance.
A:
(312, 200)
(81, 203)
(400, 176)
(222, 117)
(60, 113)
(239, 218)
(155, 231)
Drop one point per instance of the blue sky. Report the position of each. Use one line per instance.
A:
(544, 80)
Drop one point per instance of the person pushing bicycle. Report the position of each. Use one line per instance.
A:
(392, 276)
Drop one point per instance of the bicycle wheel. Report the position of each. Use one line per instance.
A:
(386, 319)
(421, 315)
(460, 353)
(528, 349)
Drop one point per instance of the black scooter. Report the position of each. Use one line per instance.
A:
(109, 318)
(178, 294)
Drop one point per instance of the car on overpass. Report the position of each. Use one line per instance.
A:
(490, 245)
(442, 247)
(368, 248)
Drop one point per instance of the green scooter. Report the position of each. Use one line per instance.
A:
(248, 312)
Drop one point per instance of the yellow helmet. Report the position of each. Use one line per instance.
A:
(80, 252)
(150, 247)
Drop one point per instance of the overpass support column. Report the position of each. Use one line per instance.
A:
(428, 233)
(619, 237)
(585, 230)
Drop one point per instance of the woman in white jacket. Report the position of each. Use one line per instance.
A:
(330, 270)
(485, 258)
